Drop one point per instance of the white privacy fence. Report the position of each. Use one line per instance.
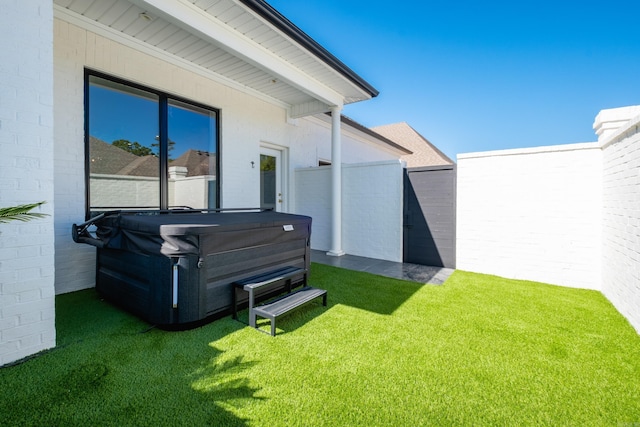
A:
(372, 207)
(117, 191)
(567, 215)
(532, 214)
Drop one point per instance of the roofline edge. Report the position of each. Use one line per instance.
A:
(367, 131)
(269, 13)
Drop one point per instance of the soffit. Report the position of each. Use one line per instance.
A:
(229, 40)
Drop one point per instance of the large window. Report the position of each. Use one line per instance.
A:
(147, 149)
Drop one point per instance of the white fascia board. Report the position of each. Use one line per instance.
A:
(195, 20)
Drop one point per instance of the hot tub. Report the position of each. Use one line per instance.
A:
(176, 268)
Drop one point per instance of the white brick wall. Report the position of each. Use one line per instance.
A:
(372, 198)
(532, 214)
(313, 198)
(124, 190)
(621, 222)
(26, 175)
(372, 206)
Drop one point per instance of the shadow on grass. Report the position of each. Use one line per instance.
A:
(378, 294)
(362, 290)
(220, 381)
(111, 369)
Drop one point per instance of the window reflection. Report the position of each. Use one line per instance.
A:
(192, 156)
(127, 148)
(124, 168)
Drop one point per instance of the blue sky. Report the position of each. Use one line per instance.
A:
(483, 75)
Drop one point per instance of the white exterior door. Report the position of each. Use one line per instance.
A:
(270, 179)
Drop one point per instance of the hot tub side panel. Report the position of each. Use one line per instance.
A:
(144, 285)
(224, 268)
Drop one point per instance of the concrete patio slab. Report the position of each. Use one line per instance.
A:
(397, 270)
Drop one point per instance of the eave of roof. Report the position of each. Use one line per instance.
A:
(274, 17)
(360, 128)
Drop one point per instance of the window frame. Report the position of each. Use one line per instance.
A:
(164, 99)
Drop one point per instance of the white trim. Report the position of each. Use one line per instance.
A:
(531, 150)
(133, 43)
(630, 128)
(196, 21)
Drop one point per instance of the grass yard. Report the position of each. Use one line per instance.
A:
(479, 350)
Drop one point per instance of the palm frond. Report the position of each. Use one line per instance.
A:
(20, 213)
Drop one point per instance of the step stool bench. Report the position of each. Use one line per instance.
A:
(287, 303)
(282, 305)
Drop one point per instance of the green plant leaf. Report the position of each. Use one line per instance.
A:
(20, 213)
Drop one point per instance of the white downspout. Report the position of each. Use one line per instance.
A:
(336, 183)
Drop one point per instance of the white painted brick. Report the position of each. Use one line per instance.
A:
(30, 340)
(369, 228)
(8, 322)
(8, 349)
(21, 332)
(48, 314)
(313, 198)
(531, 214)
(48, 336)
(29, 318)
(621, 217)
(29, 296)
(558, 216)
(26, 176)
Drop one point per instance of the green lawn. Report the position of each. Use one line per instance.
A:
(478, 350)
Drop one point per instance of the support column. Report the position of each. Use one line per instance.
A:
(336, 183)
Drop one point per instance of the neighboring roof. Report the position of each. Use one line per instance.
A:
(142, 166)
(424, 152)
(107, 159)
(197, 162)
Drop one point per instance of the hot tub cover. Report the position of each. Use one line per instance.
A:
(176, 234)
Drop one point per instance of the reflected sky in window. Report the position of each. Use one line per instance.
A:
(115, 115)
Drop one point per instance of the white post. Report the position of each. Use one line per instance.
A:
(336, 183)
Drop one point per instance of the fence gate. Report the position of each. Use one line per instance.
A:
(430, 216)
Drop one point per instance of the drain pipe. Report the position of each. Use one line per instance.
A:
(336, 183)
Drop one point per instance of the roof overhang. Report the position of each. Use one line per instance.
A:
(362, 132)
(244, 43)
